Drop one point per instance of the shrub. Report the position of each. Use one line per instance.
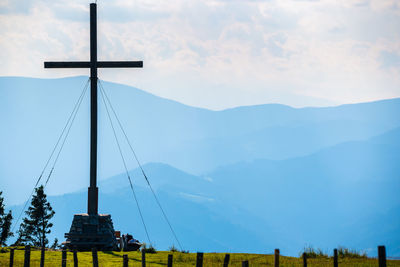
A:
(313, 253)
(350, 253)
(149, 249)
(173, 248)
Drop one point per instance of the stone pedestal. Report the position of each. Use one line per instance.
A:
(88, 231)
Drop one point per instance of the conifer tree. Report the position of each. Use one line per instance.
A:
(55, 244)
(1, 206)
(5, 223)
(36, 225)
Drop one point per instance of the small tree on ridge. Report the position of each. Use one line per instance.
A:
(36, 225)
(5, 223)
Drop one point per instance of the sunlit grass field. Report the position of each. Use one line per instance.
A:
(53, 258)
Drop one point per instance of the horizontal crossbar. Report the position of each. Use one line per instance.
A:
(71, 64)
(100, 64)
(120, 64)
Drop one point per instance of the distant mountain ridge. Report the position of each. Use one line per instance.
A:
(192, 139)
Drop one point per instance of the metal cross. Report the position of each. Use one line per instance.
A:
(93, 64)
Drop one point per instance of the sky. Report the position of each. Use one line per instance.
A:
(217, 54)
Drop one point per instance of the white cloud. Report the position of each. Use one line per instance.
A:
(218, 54)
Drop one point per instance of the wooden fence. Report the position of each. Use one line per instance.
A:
(170, 260)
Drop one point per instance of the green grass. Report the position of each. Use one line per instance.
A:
(53, 258)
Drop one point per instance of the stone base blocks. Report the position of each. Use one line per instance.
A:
(91, 231)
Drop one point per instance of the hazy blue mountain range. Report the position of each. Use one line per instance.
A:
(195, 140)
(244, 179)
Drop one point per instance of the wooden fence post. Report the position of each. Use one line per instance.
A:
(42, 257)
(12, 257)
(126, 260)
(170, 260)
(276, 257)
(304, 259)
(335, 258)
(245, 263)
(64, 258)
(95, 258)
(27, 256)
(199, 259)
(382, 256)
(226, 260)
(143, 258)
(75, 258)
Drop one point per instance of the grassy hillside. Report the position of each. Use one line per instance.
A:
(53, 258)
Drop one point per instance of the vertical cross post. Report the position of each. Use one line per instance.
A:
(93, 190)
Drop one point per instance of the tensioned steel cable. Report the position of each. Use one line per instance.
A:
(66, 136)
(126, 168)
(52, 152)
(140, 166)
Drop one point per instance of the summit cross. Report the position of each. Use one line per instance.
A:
(93, 64)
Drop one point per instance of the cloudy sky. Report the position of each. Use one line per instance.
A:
(217, 53)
